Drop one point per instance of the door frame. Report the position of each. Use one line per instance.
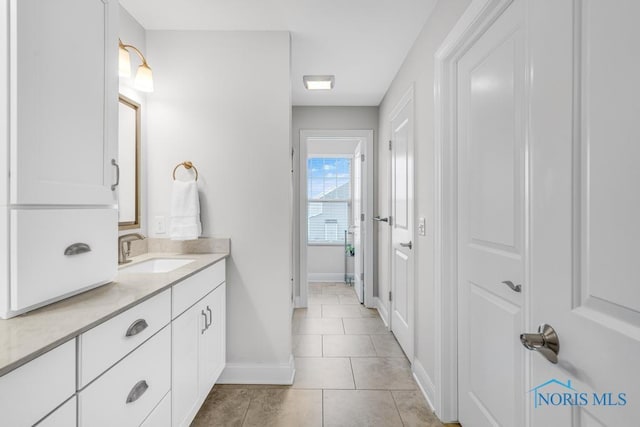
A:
(366, 138)
(476, 19)
(408, 98)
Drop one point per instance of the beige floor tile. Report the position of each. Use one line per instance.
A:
(348, 299)
(225, 407)
(369, 312)
(386, 346)
(366, 326)
(347, 346)
(341, 311)
(360, 408)
(249, 386)
(315, 288)
(311, 312)
(414, 410)
(284, 408)
(338, 289)
(307, 345)
(331, 372)
(306, 326)
(317, 299)
(382, 373)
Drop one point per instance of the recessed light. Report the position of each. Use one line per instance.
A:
(318, 82)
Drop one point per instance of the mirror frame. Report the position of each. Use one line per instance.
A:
(128, 225)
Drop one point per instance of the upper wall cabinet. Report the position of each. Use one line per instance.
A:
(63, 101)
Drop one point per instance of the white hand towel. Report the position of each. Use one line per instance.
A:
(185, 211)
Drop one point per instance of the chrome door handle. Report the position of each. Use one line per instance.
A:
(136, 327)
(545, 342)
(377, 218)
(514, 288)
(114, 163)
(210, 317)
(137, 391)
(407, 245)
(205, 323)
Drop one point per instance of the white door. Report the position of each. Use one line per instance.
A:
(64, 101)
(402, 276)
(491, 224)
(357, 227)
(585, 208)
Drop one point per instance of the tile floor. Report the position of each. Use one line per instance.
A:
(350, 371)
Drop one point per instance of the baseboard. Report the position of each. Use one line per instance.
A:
(297, 302)
(258, 373)
(325, 277)
(425, 384)
(382, 310)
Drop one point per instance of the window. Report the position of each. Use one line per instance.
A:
(328, 199)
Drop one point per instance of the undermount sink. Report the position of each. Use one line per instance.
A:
(156, 265)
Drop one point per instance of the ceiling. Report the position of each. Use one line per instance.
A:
(361, 42)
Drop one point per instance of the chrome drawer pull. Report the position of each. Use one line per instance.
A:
(136, 327)
(210, 317)
(77, 248)
(114, 163)
(206, 323)
(137, 391)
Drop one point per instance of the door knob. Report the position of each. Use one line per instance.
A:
(545, 342)
(377, 218)
(407, 245)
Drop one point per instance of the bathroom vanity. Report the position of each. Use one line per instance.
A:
(142, 351)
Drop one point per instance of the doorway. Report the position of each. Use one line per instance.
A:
(336, 203)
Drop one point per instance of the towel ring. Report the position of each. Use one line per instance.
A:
(187, 165)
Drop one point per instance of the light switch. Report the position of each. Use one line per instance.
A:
(159, 226)
(422, 226)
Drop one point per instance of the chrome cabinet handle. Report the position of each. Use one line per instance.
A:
(77, 248)
(136, 327)
(210, 317)
(114, 163)
(514, 288)
(545, 342)
(137, 391)
(407, 245)
(206, 323)
(377, 218)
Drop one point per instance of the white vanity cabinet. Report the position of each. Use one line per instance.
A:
(198, 346)
(63, 102)
(35, 389)
(58, 191)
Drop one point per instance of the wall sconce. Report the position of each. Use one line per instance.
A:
(144, 76)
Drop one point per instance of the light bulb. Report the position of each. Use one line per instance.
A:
(144, 79)
(124, 62)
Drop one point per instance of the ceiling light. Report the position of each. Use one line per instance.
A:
(318, 82)
(144, 76)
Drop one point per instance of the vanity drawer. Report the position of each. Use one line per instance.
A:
(40, 269)
(102, 346)
(191, 290)
(127, 393)
(33, 390)
(161, 415)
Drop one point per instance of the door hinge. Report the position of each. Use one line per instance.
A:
(390, 299)
(362, 157)
(390, 220)
(362, 276)
(361, 217)
(389, 144)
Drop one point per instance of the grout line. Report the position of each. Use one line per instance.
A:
(322, 414)
(353, 375)
(244, 418)
(396, 405)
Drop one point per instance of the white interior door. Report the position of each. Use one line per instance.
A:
(402, 273)
(357, 223)
(585, 217)
(491, 224)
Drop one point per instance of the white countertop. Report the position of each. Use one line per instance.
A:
(25, 337)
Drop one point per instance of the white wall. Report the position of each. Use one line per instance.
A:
(131, 32)
(418, 69)
(324, 118)
(222, 100)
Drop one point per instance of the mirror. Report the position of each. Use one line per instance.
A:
(129, 161)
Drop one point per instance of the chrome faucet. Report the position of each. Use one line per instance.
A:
(125, 240)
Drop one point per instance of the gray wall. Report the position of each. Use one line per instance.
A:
(417, 69)
(324, 118)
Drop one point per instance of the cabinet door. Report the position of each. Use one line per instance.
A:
(186, 330)
(63, 101)
(212, 342)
